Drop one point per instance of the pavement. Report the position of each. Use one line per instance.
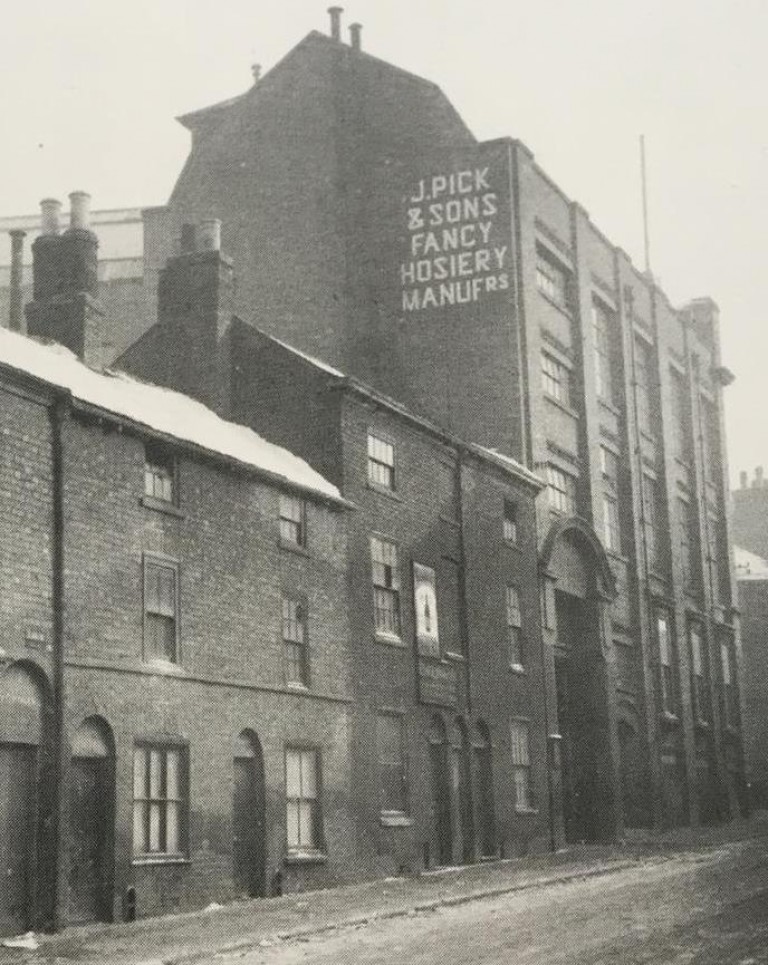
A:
(267, 923)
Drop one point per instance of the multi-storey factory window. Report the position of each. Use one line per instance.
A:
(653, 544)
(293, 520)
(521, 764)
(510, 529)
(609, 466)
(643, 386)
(730, 702)
(680, 416)
(551, 279)
(160, 800)
(667, 689)
(381, 462)
(386, 586)
(685, 541)
(294, 621)
(302, 793)
(514, 628)
(699, 686)
(159, 473)
(555, 379)
(601, 333)
(561, 490)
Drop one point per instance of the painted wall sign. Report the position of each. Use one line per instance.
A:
(425, 604)
(454, 256)
(438, 683)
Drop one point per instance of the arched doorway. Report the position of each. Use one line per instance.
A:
(91, 823)
(442, 838)
(461, 787)
(574, 561)
(21, 735)
(486, 822)
(248, 817)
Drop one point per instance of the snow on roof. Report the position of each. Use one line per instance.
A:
(318, 363)
(511, 463)
(162, 410)
(749, 566)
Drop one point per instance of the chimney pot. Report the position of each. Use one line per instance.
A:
(335, 14)
(80, 210)
(210, 234)
(256, 71)
(759, 475)
(50, 209)
(744, 478)
(355, 29)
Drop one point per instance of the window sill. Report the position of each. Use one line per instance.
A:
(296, 687)
(610, 406)
(390, 639)
(161, 666)
(161, 506)
(561, 405)
(159, 859)
(561, 308)
(306, 857)
(518, 669)
(527, 810)
(667, 717)
(514, 544)
(701, 724)
(391, 493)
(297, 548)
(395, 819)
(456, 657)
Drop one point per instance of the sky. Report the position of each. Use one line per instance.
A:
(91, 89)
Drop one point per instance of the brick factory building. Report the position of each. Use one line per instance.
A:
(431, 326)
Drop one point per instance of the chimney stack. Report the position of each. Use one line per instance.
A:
(16, 281)
(355, 29)
(65, 280)
(256, 72)
(210, 234)
(759, 477)
(335, 14)
(744, 477)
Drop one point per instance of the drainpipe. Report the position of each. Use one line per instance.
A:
(57, 413)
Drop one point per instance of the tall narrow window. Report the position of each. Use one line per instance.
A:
(295, 642)
(609, 464)
(551, 280)
(681, 419)
(698, 674)
(302, 792)
(386, 586)
(514, 628)
(392, 769)
(521, 764)
(510, 527)
(159, 800)
(293, 520)
(160, 610)
(643, 383)
(555, 379)
(666, 664)
(381, 462)
(730, 714)
(651, 517)
(561, 490)
(601, 333)
(159, 473)
(684, 516)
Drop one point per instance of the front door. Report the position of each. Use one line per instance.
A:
(248, 828)
(18, 768)
(89, 823)
(441, 797)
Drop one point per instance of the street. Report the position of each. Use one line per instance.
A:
(708, 908)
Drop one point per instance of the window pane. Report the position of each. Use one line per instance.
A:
(155, 774)
(292, 824)
(172, 828)
(293, 773)
(306, 824)
(139, 827)
(154, 827)
(139, 772)
(172, 782)
(522, 789)
(309, 774)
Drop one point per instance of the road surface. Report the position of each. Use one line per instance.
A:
(705, 908)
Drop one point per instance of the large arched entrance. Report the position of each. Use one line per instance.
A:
(21, 737)
(248, 818)
(574, 562)
(91, 823)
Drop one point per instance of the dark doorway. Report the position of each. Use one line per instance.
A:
(91, 818)
(634, 797)
(18, 770)
(441, 793)
(486, 830)
(461, 780)
(582, 716)
(248, 818)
